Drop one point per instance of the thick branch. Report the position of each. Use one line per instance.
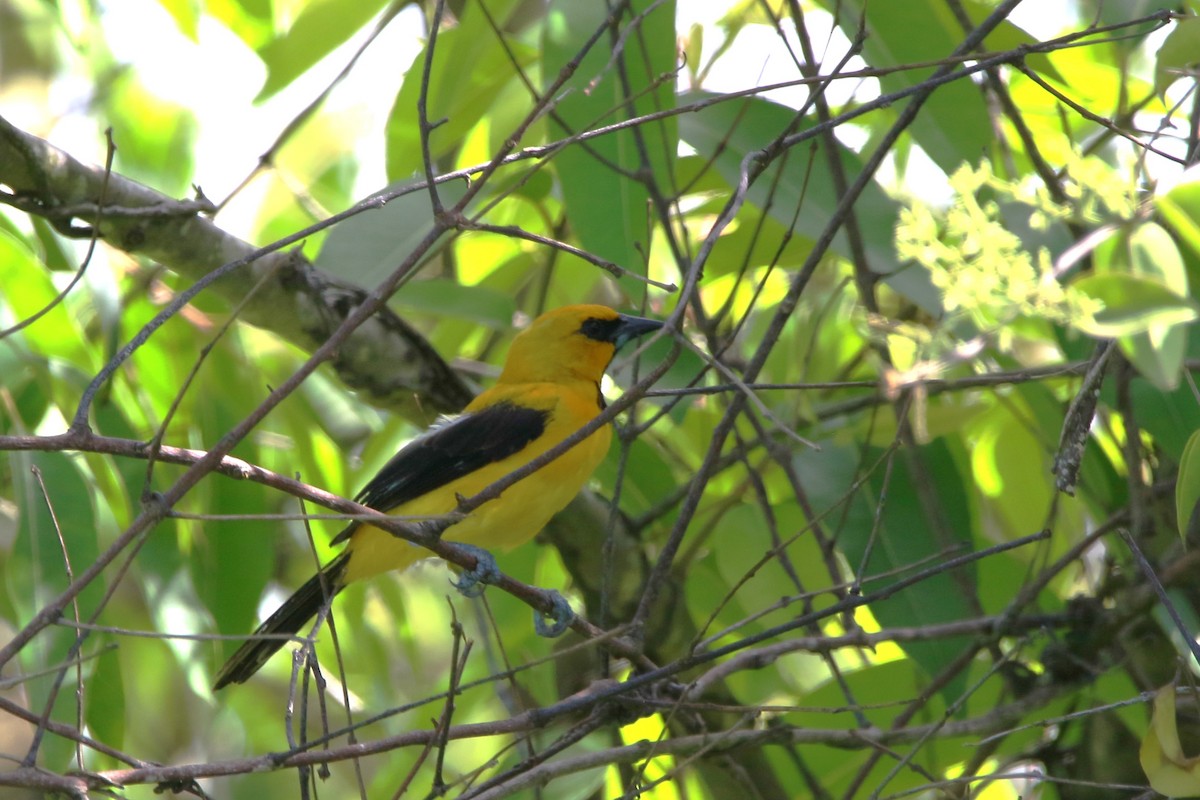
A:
(385, 358)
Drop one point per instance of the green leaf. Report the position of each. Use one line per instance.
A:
(1152, 254)
(1178, 52)
(1010, 467)
(1157, 354)
(1148, 251)
(872, 687)
(607, 209)
(319, 29)
(186, 14)
(106, 705)
(41, 537)
(1008, 36)
(159, 558)
(1187, 488)
(471, 66)
(723, 133)
(1168, 768)
(369, 246)
(1170, 417)
(236, 564)
(1180, 208)
(155, 138)
(683, 372)
(911, 534)
(741, 550)
(756, 241)
(913, 531)
(953, 125)
(1131, 305)
(249, 20)
(233, 560)
(446, 298)
(29, 290)
(647, 477)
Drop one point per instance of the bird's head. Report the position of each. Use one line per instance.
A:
(572, 341)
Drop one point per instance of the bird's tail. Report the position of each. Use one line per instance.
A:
(287, 619)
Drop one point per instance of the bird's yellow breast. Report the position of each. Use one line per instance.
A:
(528, 504)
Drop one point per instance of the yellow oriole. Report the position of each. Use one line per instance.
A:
(549, 388)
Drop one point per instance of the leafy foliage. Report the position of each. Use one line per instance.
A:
(908, 508)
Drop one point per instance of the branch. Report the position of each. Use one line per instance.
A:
(385, 358)
(1000, 718)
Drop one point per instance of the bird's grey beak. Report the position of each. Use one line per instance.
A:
(630, 328)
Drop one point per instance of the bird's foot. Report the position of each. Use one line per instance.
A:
(472, 582)
(553, 625)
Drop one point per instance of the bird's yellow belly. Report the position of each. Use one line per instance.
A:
(527, 507)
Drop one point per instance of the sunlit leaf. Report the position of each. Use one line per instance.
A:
(1147, 251)
(470, 67)
(28, 291)
(321, 27)
(1130, 305)
(1169, 771)
(155, 138)
(186, 14)
(249, 20)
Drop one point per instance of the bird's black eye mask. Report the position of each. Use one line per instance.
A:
(619, 330)
(601, 330)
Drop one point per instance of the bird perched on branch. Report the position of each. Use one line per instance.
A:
(549, 389)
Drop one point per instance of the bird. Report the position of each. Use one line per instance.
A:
(548, 389)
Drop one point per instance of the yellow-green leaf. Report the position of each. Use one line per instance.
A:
(1169, 771)
(1131, 305)
(1187, 485)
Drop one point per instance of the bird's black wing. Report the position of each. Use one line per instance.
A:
(448, 452)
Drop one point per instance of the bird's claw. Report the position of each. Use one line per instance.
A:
(472, 582)
(561, 617)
